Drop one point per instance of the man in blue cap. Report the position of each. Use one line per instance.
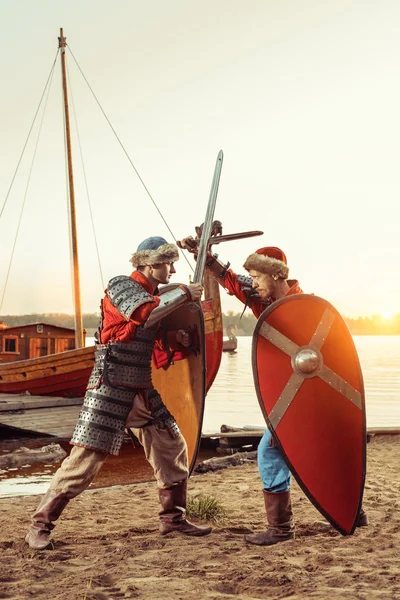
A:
(120, 394)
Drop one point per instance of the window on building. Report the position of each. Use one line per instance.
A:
(10, 344)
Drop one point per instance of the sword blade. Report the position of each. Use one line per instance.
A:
(230, 237)
(208, 221)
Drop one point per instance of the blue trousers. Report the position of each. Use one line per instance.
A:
(273, 471)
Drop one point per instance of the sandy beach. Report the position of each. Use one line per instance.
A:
(107, 545)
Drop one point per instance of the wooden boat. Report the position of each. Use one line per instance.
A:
(66, 373)
(230, 344)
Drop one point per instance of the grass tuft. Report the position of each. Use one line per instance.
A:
(89, 587)
(206, 508)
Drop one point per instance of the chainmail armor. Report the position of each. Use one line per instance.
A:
(101, 422)
(125, 364)
(127, 295)
(120, 371)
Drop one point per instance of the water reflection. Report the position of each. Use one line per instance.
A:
(130, 466)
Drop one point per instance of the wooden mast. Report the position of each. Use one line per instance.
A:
(74, 239)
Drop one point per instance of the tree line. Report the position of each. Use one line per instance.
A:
(243, 323)
(375, 325)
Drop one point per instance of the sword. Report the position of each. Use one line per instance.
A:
(208, 221)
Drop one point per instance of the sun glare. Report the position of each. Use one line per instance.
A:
(387, 314)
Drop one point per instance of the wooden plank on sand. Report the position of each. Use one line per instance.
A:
(13, 402)
(58, 422)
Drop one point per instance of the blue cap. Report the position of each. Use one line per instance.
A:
(151, 243)
(154, 250)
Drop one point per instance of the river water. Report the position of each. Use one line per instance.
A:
(232, 401)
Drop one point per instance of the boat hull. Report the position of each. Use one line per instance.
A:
(230, 345)
(65, 374)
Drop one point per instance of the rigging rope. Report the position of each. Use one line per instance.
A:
(85, 179)
(127, 155)
(30, 131)
(49, 81)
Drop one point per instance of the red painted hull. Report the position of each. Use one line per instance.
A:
(65, 374)
(314, 406)
(66, 386)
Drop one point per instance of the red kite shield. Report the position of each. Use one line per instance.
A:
(310, 388)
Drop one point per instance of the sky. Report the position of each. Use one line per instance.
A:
(302, 96)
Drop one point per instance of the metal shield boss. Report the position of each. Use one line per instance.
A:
(182, 385)
(310, 389)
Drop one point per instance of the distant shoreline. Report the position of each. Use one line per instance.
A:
(243, 325)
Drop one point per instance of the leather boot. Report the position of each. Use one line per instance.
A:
(362, 519)
(173, 513)
(278, 507)
(49, 509)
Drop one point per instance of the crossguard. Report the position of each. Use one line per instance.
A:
(218, 239)
(230, 237)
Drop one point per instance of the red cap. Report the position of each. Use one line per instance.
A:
(273, 252)
(270, 260)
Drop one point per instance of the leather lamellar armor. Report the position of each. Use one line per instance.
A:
(120, 371)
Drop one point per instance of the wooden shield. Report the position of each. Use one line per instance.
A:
(182, 385)
(310, 388)
(214, 337)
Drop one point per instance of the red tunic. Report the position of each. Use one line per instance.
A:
(116, 328)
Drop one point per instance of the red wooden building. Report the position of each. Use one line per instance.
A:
(34, 340)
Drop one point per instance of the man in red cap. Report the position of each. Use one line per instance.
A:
(267, 282)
